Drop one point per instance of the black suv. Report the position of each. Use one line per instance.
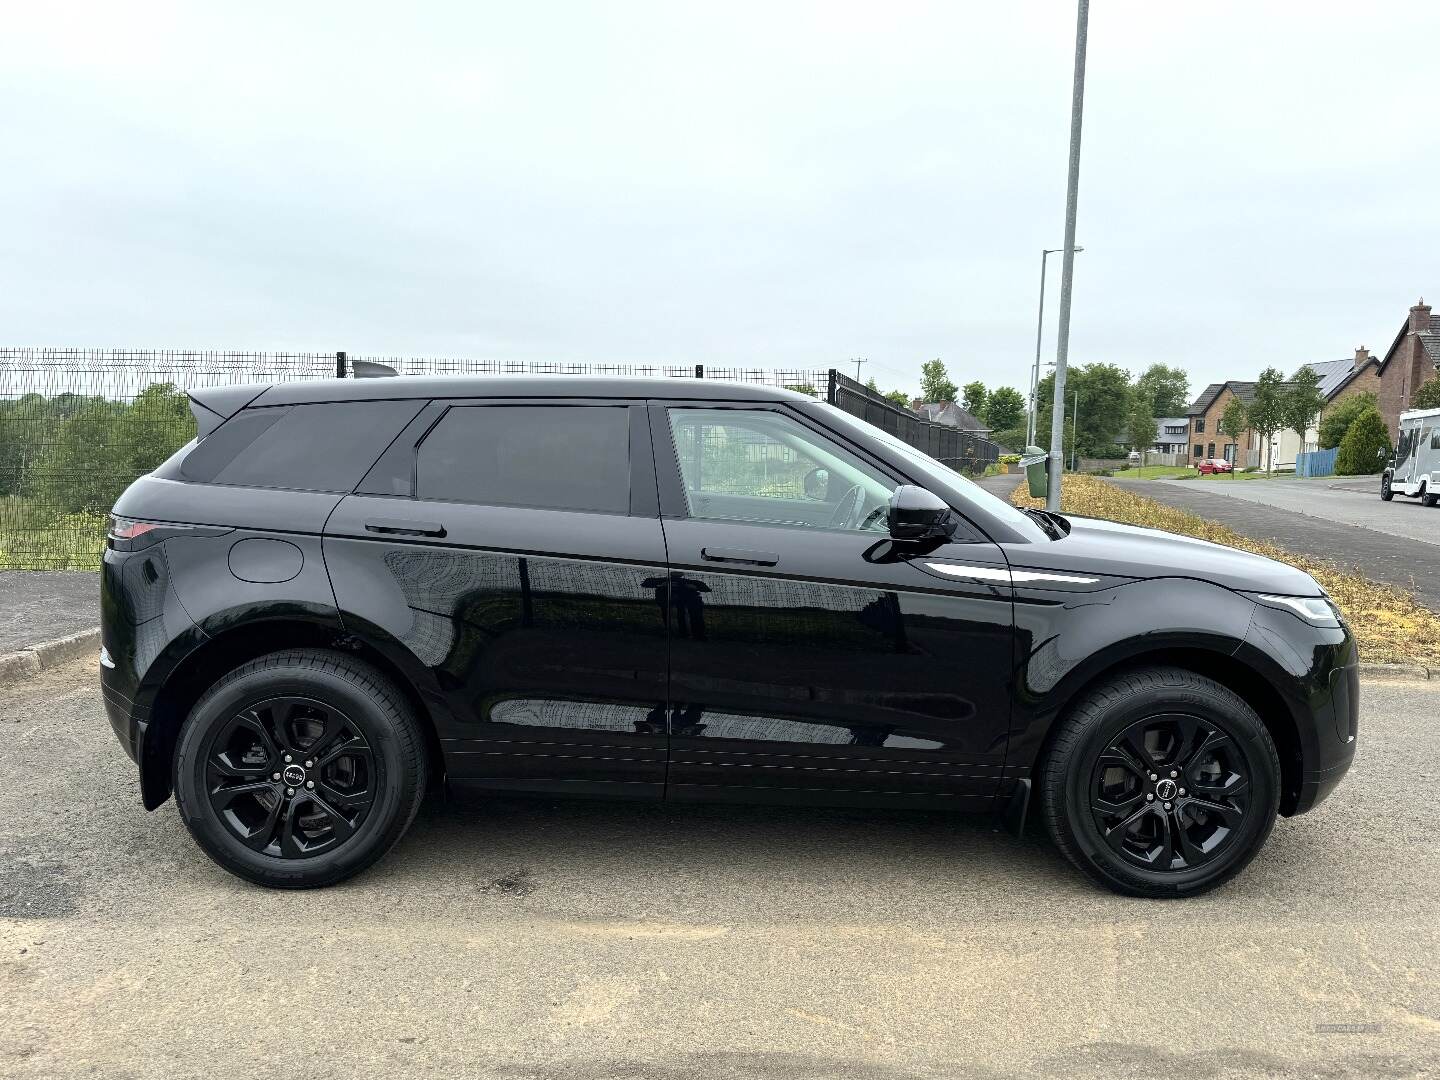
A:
(345, 592)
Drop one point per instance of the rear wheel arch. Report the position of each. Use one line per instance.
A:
(205, 665)
(1234, 674)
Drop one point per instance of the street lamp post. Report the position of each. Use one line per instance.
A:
(1074, 430)
(1067, 273)
(1030, 431)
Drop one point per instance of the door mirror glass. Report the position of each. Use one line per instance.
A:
(817, 484)
(916, 514)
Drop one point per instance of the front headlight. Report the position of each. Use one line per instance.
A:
(1316, 610)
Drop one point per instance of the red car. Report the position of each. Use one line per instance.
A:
(1214, 465)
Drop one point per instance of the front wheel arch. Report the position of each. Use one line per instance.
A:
(1249, 685)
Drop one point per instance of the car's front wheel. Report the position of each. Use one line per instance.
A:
(299, 769)
(1386, 491)
(1160, 782)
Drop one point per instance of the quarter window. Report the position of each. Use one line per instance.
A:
(551, 457)
(763, 467)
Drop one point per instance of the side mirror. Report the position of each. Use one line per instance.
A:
(917, 514)
(817, 484)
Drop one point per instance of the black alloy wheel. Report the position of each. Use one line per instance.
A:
(300, 768)
(1160, 782)
(291, 777)
(1170, 792)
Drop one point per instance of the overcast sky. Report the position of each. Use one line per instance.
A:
(777, 184)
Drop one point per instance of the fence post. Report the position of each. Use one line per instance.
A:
(340, 365)
(831, 387)
(699, 371)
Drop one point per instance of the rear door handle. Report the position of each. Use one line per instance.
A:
(734, 555)
(393, 527)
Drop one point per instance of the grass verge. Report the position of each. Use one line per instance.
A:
(1389, 625)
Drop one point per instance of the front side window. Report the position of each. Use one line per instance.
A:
(548, 457)
(762, 467)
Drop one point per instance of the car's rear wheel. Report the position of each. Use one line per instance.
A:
(1160, 782)
(299, 769)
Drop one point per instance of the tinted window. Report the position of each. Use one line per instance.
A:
(552, 457)
(303, 447)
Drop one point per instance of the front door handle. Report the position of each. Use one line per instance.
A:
(393, 527)
(734, 555)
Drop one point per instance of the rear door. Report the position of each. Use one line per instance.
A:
(811, 658)
(514, 548)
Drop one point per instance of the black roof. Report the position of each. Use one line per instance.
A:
(226, 400)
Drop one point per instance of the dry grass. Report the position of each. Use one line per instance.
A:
(1389, 624)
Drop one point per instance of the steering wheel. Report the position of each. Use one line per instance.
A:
(847, 510)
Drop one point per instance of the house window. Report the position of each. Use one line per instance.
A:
(1199, 450)
(1212, 451)
(1199, 425)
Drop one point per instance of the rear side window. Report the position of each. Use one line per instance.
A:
(326, 447)
(551, 457)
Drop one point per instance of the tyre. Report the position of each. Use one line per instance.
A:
(299, 769)
(1386, 491)
(1427, 498)
(1160, 783)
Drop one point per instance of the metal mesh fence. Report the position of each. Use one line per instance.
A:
(77, 426)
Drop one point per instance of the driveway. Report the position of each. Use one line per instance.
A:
(517, 939)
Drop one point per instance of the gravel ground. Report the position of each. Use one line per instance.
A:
(519, 939)
(42, 605)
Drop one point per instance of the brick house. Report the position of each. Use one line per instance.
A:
(1412, 360)
(1206, 441)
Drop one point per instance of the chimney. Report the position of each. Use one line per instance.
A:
(1420, 316)
(1362, 357)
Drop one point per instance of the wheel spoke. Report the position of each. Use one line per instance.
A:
(1213, 740)
(1166, 856)
(264, 835)
(338, 822)
(1120, 807)
(1193, 855)
(1116, 836)
(222, 797)
(353, 747)
(1224, 811)
(1122, 756)
(358, 798)
(1232, 786)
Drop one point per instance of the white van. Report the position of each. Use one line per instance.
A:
(1415, 470)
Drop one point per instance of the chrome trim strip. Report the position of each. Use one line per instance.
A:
(1008, 577)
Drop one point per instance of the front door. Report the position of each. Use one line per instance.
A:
(518, 557)
(811, 659)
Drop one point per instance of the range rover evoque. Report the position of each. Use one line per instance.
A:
(344, 593)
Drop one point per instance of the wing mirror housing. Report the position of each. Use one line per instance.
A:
(917, 514)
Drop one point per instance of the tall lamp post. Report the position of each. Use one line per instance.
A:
(1030, 432)
(1067, 272)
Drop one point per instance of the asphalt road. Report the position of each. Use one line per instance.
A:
(1337, 499)
(1261, 513)
(519, 939)
(42, 605)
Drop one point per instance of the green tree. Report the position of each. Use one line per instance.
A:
(1005, 409)
(899, 397)
(1105, 397)
(1303, 401)
(1365, 446)
(1267, 410)
(976, 399)
(1234, 421)
(1339, 416)
(935, 384)
(1167, 388)
(1427, 396)
(1142, 427)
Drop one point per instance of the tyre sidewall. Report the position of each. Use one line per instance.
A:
(377, 831)
(1261, 760)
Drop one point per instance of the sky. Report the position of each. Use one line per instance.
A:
(762, 185)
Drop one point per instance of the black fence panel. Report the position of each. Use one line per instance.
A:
(962, 451)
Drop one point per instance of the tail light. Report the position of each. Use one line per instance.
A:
(127, 534)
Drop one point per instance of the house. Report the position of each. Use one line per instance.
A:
(1412, 360)
(948, 414)
(1172, 433)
